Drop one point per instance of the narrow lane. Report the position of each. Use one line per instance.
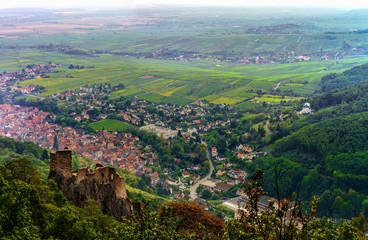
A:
(193, 188)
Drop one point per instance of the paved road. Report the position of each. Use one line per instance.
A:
(193, 188)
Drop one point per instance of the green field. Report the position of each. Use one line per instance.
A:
(253, 116)
(179, 82)
(146, 194)
(245, 106)
(276, 99)
(109, 125)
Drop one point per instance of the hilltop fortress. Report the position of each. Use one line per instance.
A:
(103, 184)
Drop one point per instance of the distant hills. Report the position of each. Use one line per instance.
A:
(358, 13)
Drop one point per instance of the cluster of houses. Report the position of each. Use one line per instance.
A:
(162, 124)
(283, 57)
(30, 72)
(234, 176)
(335, 55)
(132, 118)
(30, 124)
(246, 153)
(243, 152)
(166, 119)
(95, 95)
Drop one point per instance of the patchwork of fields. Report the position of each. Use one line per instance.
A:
(178, 82)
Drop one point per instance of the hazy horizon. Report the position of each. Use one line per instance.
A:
(353, 4)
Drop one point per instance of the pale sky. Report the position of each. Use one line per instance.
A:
(348, 4)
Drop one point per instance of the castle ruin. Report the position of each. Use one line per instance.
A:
(61, 162)
(103, 175)
(103, 184)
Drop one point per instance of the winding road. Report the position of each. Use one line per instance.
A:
(193, 188)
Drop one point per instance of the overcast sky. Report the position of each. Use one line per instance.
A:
(348, 4)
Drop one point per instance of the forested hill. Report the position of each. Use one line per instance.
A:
(10, 149)
(340, 102)
(328, 151)
(352, 76)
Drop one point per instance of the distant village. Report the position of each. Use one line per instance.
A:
(271, 58)
(29, 72)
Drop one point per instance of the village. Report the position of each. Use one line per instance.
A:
(271, 58)
(161, 118)
(116, 149)
(29, 72)
(30, 124)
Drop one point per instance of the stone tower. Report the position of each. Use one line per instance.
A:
(61, 162)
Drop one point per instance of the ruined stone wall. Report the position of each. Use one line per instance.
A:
(103, 184)
(116, 182)
(61, 162)
(102, 175)
(106, 176)
(81, 174)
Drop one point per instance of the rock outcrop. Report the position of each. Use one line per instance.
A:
(103, 185)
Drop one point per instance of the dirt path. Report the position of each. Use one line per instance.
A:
(268, 131)
(170, 83)
(142, 89)
(299, 38)
(277, 86)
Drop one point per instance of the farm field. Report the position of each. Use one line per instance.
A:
(109, 125)
(276, 99)
(253, 116)
(178, 82)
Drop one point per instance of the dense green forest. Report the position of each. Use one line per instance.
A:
(9, 149)
(352, 76)
(325, 153)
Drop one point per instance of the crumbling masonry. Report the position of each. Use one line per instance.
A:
(103, 184)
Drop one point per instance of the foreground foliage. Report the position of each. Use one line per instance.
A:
(284, 219)
(31, 208)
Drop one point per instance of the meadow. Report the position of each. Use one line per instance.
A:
(109, 125)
